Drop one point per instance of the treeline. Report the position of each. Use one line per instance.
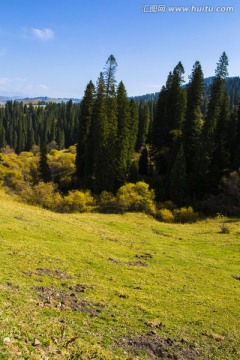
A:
(23, 126)
(182, 145)
(192, 152)
(232, 87)
(112, 128)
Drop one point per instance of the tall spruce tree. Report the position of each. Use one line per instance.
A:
(100, 133)
(112, 118)
(134, 125)
(84, 128)
(109, 74)
(194, 116)
(236, 151)
(206, 173)
(143, 126)
(123, 136)
(178, 180)
(169, 120)
(44, 169)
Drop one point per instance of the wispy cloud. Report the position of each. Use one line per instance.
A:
(43, 34)
(43, 87)
(20, 86)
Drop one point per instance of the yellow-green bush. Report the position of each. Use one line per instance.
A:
(107, 202)
(45, 195)
(136, 197)
(165, 215)
(185, 215)
(77, 201)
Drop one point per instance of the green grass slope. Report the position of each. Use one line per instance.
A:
(95, 286)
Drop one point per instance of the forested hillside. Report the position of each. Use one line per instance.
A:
(232, 87)
(183, 145)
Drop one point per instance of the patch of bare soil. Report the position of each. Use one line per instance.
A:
(236, 277)
(131, 263)
(64, 300)
(144, 256)
(136, 263)
(157, 347)
(52, 273)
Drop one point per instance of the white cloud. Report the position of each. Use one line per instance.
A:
(43, 34)
(21, 86)
(43, 87)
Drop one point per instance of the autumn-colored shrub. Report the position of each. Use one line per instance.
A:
(136, 197)
(165, 215)
(77, 201)
(185, 215)
(107, 203)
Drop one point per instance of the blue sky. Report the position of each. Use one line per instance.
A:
(54, 48)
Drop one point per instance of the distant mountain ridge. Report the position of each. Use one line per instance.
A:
(39, 100)
(232, 84)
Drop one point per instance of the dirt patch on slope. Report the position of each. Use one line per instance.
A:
(63, 300)
(157, 347)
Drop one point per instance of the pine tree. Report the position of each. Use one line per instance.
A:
(100, 132)
(143, 126)
(109, 74)
(169, 120)
(124, 136)
(134, 125)
(111, 150)
(221, 156)
(236, 153)
(205, 174)
(84, 127)
(143, 162)
(44, 170)
(178, 183)
(194, 117)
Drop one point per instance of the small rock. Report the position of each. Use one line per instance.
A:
(6, 340)
(36, 342)
(217, 337)
(151, 333)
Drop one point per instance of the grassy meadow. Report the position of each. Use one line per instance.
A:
(97, 286)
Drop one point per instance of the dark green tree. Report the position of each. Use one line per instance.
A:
(133, 126)
(178, 180)
(100, 132)
(143, 162)
(84, 127)
(205, 174)
(109, 74)
(123, 136)
(143, 125)
(44, 169)
(194, 117)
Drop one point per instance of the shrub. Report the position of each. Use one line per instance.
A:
(45, 195)
(77, 201)
(107, 202)
(185, 215)
(11, 178)
(136, 197)
(165, 215)
(224, 229)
